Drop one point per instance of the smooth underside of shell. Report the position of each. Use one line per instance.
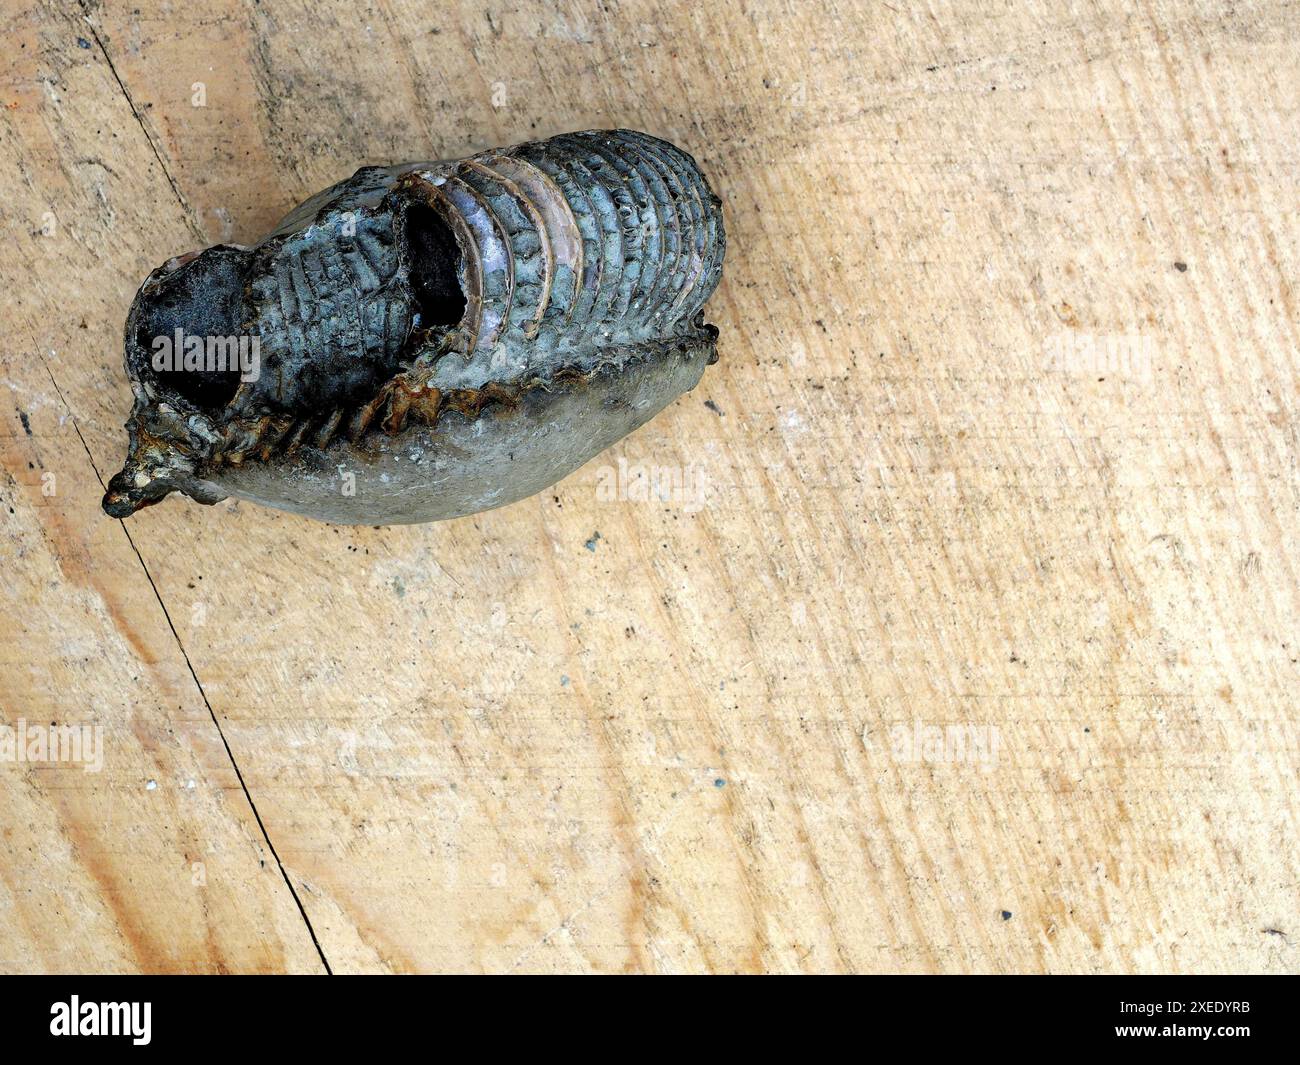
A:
(427, 340)
(469, 463)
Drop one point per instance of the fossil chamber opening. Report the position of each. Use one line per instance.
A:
(188, 339)
(433, 258)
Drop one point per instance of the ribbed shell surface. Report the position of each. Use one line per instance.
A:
(581, 243)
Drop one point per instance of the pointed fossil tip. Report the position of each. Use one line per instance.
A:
(167, 446)
(118, 505)
(131, 490)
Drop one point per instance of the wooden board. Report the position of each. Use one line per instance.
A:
(967, 637)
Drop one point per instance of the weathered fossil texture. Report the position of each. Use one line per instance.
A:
(435, 338)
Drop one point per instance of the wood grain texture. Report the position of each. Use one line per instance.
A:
(1003, 441)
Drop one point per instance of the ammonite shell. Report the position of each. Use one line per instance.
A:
(427, 340)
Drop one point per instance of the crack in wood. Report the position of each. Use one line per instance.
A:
(248, 796)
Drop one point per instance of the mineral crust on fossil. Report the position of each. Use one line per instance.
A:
(428, 340)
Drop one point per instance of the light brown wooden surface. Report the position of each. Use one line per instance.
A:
(1005, 440)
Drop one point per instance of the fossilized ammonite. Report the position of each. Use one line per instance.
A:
(427, 340)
